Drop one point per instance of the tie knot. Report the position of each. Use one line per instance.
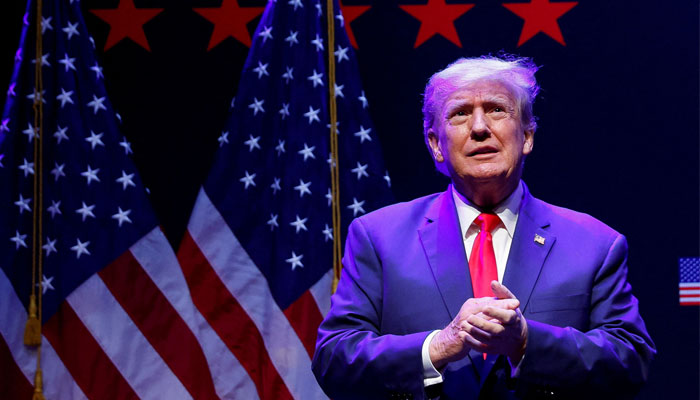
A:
(487, 221)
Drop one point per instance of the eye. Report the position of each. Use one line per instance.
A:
(498, 109)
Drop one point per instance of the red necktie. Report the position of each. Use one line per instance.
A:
(482, 261)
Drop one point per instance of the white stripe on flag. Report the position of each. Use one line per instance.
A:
(123, 342)
(690, 299)
(321, 291)
(247, 284)
(689, 284)
(689, 291)
(58, 383)
(158, 260)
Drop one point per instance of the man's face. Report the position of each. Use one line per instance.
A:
(478, 135)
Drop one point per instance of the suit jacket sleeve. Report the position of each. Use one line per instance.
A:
(353, 359)
(611, 354)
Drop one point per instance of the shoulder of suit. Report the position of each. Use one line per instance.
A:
(413, 210)
(565, 218)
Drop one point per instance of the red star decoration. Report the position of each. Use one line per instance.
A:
(350, 13)
(126, 21)
(230, 20)
(436, 17)
(540, 16)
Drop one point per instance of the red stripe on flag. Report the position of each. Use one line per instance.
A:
(13, 385)
(91, 368)
(305, 317)
(230, 321)
(160, 324)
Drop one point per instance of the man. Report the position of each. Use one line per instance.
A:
(482, 291)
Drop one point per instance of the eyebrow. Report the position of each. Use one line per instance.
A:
(499, 99)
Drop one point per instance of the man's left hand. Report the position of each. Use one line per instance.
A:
(502, 331)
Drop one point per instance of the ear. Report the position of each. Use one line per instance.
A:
(529, 142)
(434, 143)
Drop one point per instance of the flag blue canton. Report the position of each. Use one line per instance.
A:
(689, 269)
(94, 205)
(275, 149)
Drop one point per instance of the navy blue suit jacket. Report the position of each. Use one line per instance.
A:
(406, 274)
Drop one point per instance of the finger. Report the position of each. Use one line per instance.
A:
(501, 291)
(505, 317)
(508, 304)
(472, 342)
(482, 329)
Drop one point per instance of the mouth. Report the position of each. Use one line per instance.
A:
(483, 150)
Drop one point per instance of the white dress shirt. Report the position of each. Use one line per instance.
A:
(502, 236)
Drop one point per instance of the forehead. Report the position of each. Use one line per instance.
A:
(485, 90)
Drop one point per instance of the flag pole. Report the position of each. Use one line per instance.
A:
(335, 184)
(32, 332)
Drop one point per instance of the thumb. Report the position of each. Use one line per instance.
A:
(501, 291)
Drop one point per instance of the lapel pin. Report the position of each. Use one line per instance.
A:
(539, 239)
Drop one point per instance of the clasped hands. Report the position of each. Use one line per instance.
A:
(492, 325)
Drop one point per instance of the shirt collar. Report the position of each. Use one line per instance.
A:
(507, 210)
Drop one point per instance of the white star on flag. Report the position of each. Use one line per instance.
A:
(57, 171)
(126, 145)
(273, 222)
(342, 53)
(363, 99)
(252, 143)
(80, 248)
(338, 90)
(50, 246)
(340, 18)
(91, 174)
(126, 180)
(360, 170)
(295, 260)
(280, 147)
(307, 152)
(316, 78)
(3, 126)
(27, 167)
(312, 115)
(96, 104)
(387, 178)
(275, 185)
(223, 138)
(98, 71)
(54, 208)
(248, 180)
(318, 42)
(295, 3)
(329, 197)
(19, 240)
(284, 110)
(95, 139)
(65, 97)
(261, 69)
(86, 211)
(356, 206)
(266, 33)
(122, 216)
(46, 284)
(363, 134)
(299, 224)
(292, 38)
(44, 60)
(67, 62)
(60, 134)
(31, 132)
(328, 233)
(23, 204)
(257, 105)
(289, 75)
(303, 187)
(40, 96)
(71, 30)
(46, 24)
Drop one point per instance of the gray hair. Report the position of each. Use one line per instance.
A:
(516, 73)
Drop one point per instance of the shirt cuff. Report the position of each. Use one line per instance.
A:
(431, 376)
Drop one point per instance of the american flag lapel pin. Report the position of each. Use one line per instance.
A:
(539, 239)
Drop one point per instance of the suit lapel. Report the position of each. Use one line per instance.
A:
(441, 238)
(531, 244)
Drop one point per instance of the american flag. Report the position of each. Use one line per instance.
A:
(117, 317)
(689, 284)
(258, 250)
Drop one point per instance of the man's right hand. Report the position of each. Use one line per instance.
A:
(453, 343)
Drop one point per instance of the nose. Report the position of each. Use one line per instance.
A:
(480, 129)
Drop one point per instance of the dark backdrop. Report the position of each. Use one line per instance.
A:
(617, 137)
